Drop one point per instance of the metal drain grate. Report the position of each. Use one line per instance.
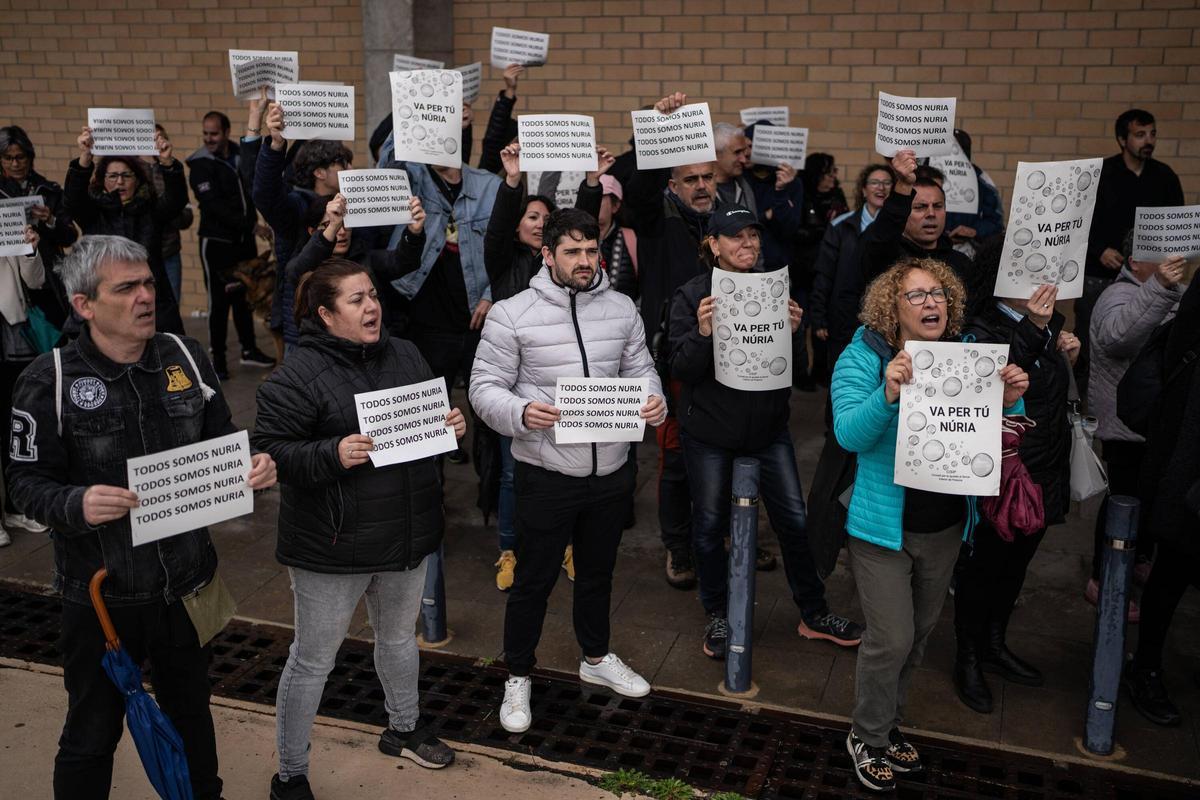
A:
(713, 745)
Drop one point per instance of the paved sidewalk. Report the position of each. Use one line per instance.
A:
(658, 629)
(345, 761)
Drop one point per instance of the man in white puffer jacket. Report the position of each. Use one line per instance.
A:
(567, 324)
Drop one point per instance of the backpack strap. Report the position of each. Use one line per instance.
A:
(205, 389)
(58, 389)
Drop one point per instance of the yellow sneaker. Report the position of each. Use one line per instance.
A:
(569, 562)
(504, 570)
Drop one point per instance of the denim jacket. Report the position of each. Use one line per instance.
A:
(111, 412)
(471, 211)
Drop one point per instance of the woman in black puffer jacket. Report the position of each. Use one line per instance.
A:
(114, 196)
(347, 528)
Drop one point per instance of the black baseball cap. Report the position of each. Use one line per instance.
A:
(730, 220)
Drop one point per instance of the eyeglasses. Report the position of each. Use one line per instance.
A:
(119, 176)
(876, 184)
(19, 158)
(917, 298)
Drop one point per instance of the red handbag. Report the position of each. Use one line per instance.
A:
(1018, 508)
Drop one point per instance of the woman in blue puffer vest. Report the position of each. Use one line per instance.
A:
(903, 542)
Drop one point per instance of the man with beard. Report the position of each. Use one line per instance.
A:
(1129, 179)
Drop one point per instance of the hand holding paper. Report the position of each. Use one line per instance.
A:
(704, 315)
(604, 161)
(655, 410)
(262, 472)
(897, 373)
(103, 504)
(457, 421)
(1016, 381)
(671, 103)
(418, 215)
(904, 164)
(85, 142)
(539, 416)
(354, 450)
(1170, 272)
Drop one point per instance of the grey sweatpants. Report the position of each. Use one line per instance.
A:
(324, 605)
(901, 592)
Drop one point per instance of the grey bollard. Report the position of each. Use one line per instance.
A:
(433, 602)
(1108, 657)
(743, 537)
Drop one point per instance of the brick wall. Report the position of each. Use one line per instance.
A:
(1036, 80)
(58, 57)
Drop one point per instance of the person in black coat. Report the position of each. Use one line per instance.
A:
(991, 573)
(348, 528)
(912, 223)
(1170, 493)
(114, 196)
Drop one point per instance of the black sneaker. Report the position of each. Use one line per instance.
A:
(833, 628)
(458, 456)
(681, 573)
(1149, 695)
(764, 560)
(716, 636)
(901, 755)
(257, 358)
(294, 788)
(418, 745)
(221, 369)
(870, 765)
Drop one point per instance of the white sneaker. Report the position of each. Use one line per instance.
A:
(5, 539)
(515, 715)
(615, 674)
(24, 522)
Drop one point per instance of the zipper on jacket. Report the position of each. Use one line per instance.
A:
(586, 372)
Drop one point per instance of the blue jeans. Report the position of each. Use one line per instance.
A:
(174, 267)
(710, 475)
(508, 498)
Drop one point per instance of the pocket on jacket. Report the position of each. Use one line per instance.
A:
(186, 412)
(100, 439)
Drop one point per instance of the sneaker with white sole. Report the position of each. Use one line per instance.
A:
(5, 539)
(515, 715)
(25, 523)
(871, 765)
(418, 745)
(615, 674)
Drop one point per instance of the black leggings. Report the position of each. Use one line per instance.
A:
(1169, 579)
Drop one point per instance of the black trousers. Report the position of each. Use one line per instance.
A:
(96, 710)
(449, 354)
(1123, 461)
(989, 580)
(554, 510)
(674, 495)
(219, 258)
(1172, 573)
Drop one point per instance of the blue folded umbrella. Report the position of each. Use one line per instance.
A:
(158, 743)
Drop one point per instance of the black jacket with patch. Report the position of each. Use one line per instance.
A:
(226, 211)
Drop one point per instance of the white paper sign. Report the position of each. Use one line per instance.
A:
(25, 203)
(122, 131)
(511, 46)
(251, 70)
(317, 111)
(190, 487)
(557, 142)
(427, 116)
(962, 182)
(752, 332)
(774, 145)
(402, 62)
(1048, 225)
(12, 232)
(672, 140)
(472, 78)
(406, 423)
(565, 192)
(924, 125)
(1159, 233)
(375, 197)
(948, 440)
(776, 115)
(600, 409)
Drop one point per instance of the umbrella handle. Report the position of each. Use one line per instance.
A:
(110, 633)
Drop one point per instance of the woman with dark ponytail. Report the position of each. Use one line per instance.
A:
(346, 527)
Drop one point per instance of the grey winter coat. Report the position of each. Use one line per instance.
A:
(1124, 317)
(546, 332)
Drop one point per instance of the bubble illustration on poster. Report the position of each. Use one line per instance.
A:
(427, 116)
(752, 335)
(962, 183)
(950, 413)
(1048, 224)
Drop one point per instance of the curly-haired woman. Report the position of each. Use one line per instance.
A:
(903, 542)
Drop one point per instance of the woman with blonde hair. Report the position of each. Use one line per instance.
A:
(903, 543)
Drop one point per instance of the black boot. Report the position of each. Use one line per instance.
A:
(999, 659)
(972, 689)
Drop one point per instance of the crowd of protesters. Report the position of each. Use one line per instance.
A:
(495, 288)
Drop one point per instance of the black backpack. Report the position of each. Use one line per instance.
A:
(1139, 393)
